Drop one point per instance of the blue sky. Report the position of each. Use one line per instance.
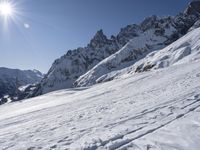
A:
(43, 30)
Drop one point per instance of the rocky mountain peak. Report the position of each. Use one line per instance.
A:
(100, 32)
(99, 40)
(148, 22)
(127, 33)
(193, 8)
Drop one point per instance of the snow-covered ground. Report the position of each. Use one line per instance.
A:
(159, 109)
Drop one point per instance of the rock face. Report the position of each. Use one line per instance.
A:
(193, 8)
(89, 65)
(12, 79)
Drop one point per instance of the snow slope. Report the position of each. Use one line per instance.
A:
(184, 50)
(156, 110)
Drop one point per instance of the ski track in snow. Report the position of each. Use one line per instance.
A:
(138, 112)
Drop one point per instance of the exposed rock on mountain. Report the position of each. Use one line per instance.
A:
(12, 79)
(193, 8)
(69, 67)
(155, 34)
(184, 50)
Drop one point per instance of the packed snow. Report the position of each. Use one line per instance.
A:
(159, 109)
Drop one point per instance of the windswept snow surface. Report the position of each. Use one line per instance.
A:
(155, 110)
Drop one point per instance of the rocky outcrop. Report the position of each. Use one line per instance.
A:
(193, 8)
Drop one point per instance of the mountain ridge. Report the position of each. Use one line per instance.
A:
(12, 79)
(134, 41)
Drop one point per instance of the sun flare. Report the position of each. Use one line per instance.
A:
(6, 9)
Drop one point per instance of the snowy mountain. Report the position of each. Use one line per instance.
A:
(12, 79)
(183, 50)
(153, 103)
(86, 66)
(69, 67)
(137, 49)
(159, 109)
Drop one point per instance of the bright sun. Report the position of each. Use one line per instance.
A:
(6, 9)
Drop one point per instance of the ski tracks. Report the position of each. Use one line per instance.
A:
(147, 122)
